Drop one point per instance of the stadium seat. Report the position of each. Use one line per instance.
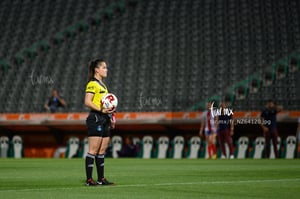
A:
(19, 58)
(116, 142)
(294, 64)
(242, 147)
(3, 67)
(69, 32)
(81, 26)
(17, 148)
(95, 20)
(272, 154)
(28, 53)
(147, 145)
(162, 147)
(42, 46)
(229, 97)
(118, 6)
(194, 147)
(60, 152)
(269, 78)
(290, 147)
(4, 146)
(240, 91)
(254, 84)
(107, 13)
(136, 141)
(258, 148)
(280, 70)
(72, 147)
(58, 39)
(178, 147)
(84, 148)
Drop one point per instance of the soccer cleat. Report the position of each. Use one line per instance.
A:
(104, 182)
(90, 182)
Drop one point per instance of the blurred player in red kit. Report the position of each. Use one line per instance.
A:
(208, 126)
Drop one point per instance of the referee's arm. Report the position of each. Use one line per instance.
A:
(88, 101)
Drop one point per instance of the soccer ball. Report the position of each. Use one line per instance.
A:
(109, 101)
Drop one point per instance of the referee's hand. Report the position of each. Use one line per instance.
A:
(108, 110)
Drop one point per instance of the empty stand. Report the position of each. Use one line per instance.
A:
(162, 55)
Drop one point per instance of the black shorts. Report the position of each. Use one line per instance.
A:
(98, 124)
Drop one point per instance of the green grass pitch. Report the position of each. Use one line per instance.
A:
(152, 178)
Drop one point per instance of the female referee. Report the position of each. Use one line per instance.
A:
(99, 122)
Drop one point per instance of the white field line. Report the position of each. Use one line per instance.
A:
(161, 184)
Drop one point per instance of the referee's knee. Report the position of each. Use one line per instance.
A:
(102, 151)
(93, 152)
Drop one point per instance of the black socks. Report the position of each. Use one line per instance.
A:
(100, 166)
(89, 164)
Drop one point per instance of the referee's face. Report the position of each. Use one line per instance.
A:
(102, 69)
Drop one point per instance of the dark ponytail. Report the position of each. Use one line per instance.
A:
(91, 68)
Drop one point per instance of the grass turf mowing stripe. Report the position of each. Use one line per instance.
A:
(163, 184)
(153, 178)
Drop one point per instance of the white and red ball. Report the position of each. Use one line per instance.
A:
(109, 101)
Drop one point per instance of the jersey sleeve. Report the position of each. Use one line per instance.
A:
(91, 87)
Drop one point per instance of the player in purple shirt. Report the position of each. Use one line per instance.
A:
(225, 129)
(268, 124)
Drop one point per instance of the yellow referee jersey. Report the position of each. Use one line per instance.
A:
(98, 89)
